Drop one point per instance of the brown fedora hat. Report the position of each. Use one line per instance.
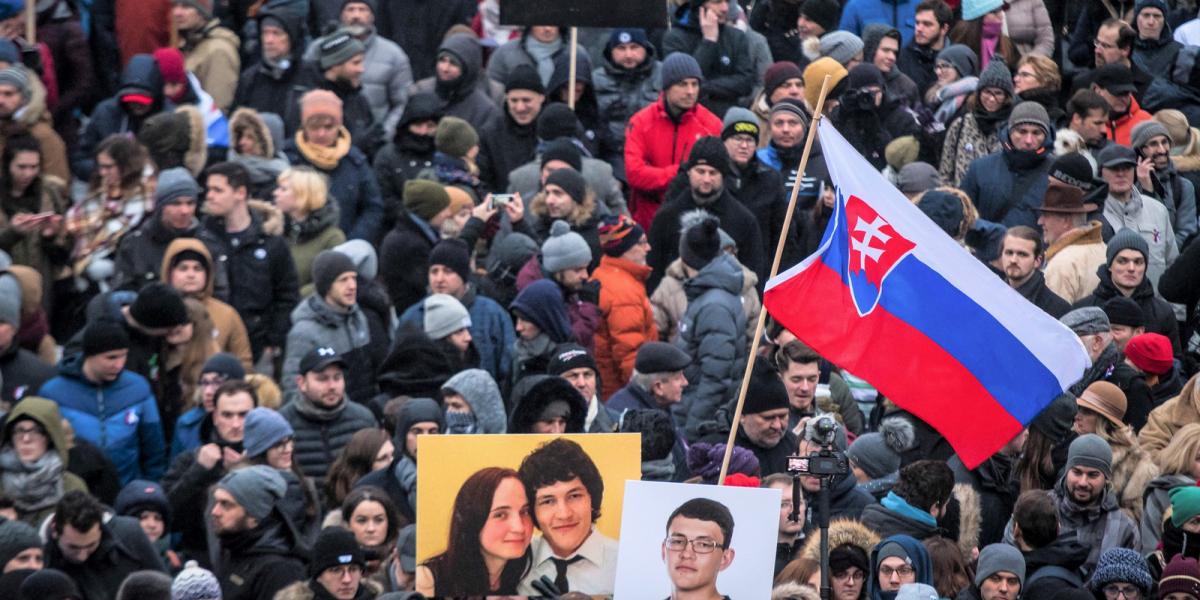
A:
(1106, 399)
(1063, 198)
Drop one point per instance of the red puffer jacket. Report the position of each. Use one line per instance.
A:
(655, 145)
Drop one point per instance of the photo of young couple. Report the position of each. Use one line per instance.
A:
(530, 527)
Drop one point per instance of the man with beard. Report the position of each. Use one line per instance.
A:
(341, 63)
(707, 167)
(258, 545)
(460, 82)
(1113, 44)
(1086, 503)
(758, 187)
(1088, 117)
(193, 472)
(763, 428)
(387, 73)
(1158, 178)
(932, 22)
(1108, 364)
(267, 84)
(1021, 256)
(210, 50)
(629, 79)
(410, 152)
(881, 47)
(512, 141)
(1008, 186)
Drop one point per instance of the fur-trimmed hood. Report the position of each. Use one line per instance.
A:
(368, 588)
(582, 213)
(970, 517)
(534, 392)
(270, 217)
(794, 591)
(247, 120)
(34, 109)
(197, 154)
(841, 531)
(187, 243)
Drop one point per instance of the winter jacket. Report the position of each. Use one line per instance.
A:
(385, 81)
(212, 54)
(140, 76)
(121, 417)
(917, 62)
(1007, 186)
(365, 132)
(404, 260)
(317, 232)
(187, 485)
(582, 309)
(713, 333)
(1120, 127)
(353, 185)
(628, 320)
(1178, 195)
(316, 324)
(1072, 262)
(139, 260)
(964, 143)
(22, 373)
(1065, 553)
(1156, 502)
(1029, 27)
(491, 331)
(46, 414)
(531, 395)
(651, 161)
(1149, 218)
(900, 14)
(670, 302)
(760, 189)
(394, 165)
(1110, 366)
(846, 500)
(894, 515)
(468, 98)
(621, 93)
(420, 25)
(1034, 290)
(322, 432)
(1100, 526)
(1159, 316)
(503, 148)
(229, 331)
(44, 255)
(736, 220)
(1091, 15)
(1168, 418)
(34, 118)
(1156, 56)
(262, 277)
(259, 562)
(124, 549)
(599, 175)
(267, 87)
(727, 65)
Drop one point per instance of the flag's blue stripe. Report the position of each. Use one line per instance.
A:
(921, 297)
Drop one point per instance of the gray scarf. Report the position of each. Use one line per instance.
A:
(527, 350)
(543, 55)
(32, 486)
(312, 411)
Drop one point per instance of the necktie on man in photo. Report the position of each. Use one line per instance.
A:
(560, 572)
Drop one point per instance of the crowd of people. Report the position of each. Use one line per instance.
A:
(252, 251)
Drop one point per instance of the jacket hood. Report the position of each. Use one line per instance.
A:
(197, 153)
(363, 255)
(34, 109)
(616, 71)
(195, 245)
(1066, 551)
(478, 388)
(562, 74)
(1107, 289)
(542, 302)
(466, 48)
(45, 413)
(841, 531)
(314, 222)
(533, 393)
(723, 273)
(141, 76)
(916, 553)
(293, 24)
(581, 212)
(1164, 37)
(420, 107)
(416, 410)
(415, 367)
(247, 120)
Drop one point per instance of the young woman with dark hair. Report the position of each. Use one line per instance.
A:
(370, 515)
(490, 531)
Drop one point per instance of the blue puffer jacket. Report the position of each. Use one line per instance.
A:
(491, 331)
(901, 14)
(120, 417)
(187, 431)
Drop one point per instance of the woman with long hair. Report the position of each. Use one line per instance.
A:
(976, 132)
(269, 441)
(1101, 411)
(32, 205)
(188, 348)
(984, 33)
(368, 450)
(1178, 466)
(490, 530)
(310, 219)
(951, 572)
(1045, 451)
(1037, 79)
(370, 515)
(957, 71)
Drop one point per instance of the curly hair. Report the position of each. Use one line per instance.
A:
(925, 483)
(561, 460)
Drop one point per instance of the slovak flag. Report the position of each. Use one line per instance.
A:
(891, 298)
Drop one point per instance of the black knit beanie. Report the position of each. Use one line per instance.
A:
(327, 267)
(104, 336)
(571, 182)
(159, 306)
(557, 121)
(701, 243)
(565, 151)
(452, 253)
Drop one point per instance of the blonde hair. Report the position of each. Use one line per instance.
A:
(310, 187)
(1178, 456)
(1044, 69)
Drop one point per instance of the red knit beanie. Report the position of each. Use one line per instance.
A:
(1150, 352)
(170, 64)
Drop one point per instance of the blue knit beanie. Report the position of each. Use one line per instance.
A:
(1121, 565)
(973, 9)
(264, 428)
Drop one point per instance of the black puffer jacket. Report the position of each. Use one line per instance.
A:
(187, 483)
(265, 87)
(257, 563)
(123, 550)
(321, 433)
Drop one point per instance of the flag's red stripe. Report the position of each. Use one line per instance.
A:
(902, 363)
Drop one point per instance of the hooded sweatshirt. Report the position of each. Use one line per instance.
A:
(466, 97)
(228, 329)
(16, 486)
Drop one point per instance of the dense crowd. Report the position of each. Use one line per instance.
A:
(252, 251)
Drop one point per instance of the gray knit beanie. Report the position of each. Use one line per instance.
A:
(996, 75)
(16, 77)
(195, 583)
(444, 315)
(678, 66)
(256, 489)
(1126, 239)
(1091, 451)
(1142, 132)
(1032, 113)
(175, 184)
(564, 249)
(878, 453)
(841, 46)
(15, 538)
(264, 429)
(327, 267)
(962, 58)
(995, 558)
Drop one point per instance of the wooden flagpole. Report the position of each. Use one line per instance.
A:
(571, 69)
(762, 314)
(31, 22)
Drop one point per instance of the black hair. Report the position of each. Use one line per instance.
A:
(925, 483)
(557, 461)
(234, 386)
(941, 11)
(79, 510)
(1126, 35)
(234, 173)
(1085, 101)
(370, 493)
(703, 509)
(1025, 232)
(1037, 516)
(21, 142)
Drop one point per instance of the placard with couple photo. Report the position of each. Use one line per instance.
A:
(528, 515)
